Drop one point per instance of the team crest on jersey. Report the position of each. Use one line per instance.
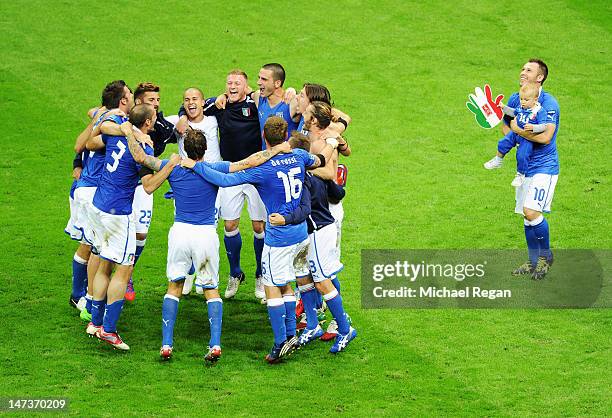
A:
(488, 112)
(246, 112)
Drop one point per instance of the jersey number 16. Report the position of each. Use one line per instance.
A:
(293, 185)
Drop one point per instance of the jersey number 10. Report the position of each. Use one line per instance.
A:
(293, 185)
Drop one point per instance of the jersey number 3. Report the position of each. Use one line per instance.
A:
(293, 185)
(116, 157)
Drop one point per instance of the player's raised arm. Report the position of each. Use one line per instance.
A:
(81, 141)
(259, 158)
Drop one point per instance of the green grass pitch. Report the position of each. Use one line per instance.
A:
(402, 70)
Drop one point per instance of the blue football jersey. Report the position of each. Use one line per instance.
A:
(279, 182)
(281, 110)
(544, 158)
(523, 117)
(115, 192)
(194, 196)
(93, 163)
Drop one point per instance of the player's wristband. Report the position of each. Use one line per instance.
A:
(342, 121)
(77, 162)
(333, 142)
(322, 158)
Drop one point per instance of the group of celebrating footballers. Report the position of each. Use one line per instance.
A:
(273, 147)
(278, 150)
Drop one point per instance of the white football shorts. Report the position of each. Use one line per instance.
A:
(142, 209)
(231, 201)
(70, 229)
(536, 193)
(281, 265)
(323, 257)
(79, 229)
(197, 244)
(114, 236)
(337, 211)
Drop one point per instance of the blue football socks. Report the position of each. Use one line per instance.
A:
(215, 319)
(334, 303)
(140, 244)
(258, 244)
(79, 277)
(289, 301)
(111, 316)
(97, 311)
(542, 234)
(309, 296)
(533, 246)
(276, 313)
(233, 245)
(169, 312)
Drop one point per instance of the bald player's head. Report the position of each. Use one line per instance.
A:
(193, 102)
(143, 116)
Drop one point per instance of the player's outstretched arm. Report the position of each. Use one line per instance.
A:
(151, 182)
(216, 177)
(260, 157)
(540, 138)
(136, 150)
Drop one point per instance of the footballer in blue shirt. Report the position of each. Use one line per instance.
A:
(536, 193)
(193, 240)
(114, 233)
